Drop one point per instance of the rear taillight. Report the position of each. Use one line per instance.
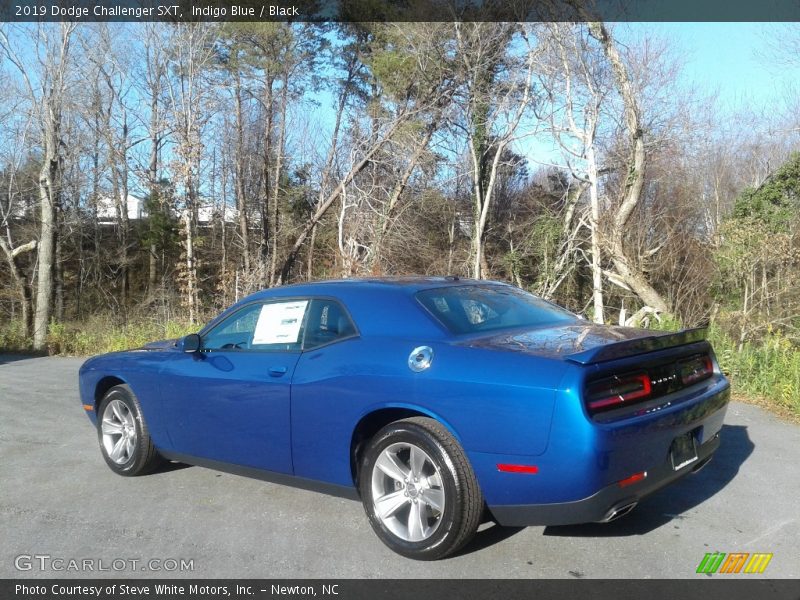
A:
(614, 392)
(696, 369)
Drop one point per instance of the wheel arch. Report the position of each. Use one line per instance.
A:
(376, 419)
(103, 385)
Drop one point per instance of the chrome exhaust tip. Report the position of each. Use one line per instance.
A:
(618, 511)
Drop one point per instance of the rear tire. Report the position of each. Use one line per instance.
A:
(123, 435)
(418, 489)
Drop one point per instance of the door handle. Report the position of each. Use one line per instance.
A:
(277, 371)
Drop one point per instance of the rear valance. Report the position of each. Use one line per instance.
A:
(651, 343)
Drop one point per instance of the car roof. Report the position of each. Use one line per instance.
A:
(408, 284)
(379, 305)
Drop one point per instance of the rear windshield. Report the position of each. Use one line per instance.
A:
(476, 308)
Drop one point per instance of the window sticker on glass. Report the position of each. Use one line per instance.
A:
(280, 323)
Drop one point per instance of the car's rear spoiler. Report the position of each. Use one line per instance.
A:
(649, 343)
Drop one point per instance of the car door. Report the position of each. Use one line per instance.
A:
(323, 412)
(230, 401)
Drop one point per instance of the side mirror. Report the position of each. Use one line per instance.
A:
(191, 343)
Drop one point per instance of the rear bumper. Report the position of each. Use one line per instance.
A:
(607, 504)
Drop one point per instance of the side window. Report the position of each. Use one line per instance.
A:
(327, 322)
(461, 313)
(272, 326)
(478, 312)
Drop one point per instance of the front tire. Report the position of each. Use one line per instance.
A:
(419, 490)
(124, 437)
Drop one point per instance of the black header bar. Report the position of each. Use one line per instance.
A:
(325, 11)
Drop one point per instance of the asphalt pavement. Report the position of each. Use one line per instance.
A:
(63, 513)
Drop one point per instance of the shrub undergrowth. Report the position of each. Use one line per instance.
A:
(768, 370)
(95, 336)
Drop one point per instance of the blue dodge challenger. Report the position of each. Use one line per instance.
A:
(436, 401)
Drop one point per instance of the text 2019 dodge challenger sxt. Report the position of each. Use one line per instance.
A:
(432, 399)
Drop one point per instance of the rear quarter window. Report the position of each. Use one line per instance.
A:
(328, 321)
(476, 308)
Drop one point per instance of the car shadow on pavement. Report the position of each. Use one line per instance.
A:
(671, 502)
(494, 534)
(169, 467)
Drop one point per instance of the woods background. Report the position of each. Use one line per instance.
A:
(152, 174)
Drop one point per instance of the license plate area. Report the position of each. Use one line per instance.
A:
(683, 451)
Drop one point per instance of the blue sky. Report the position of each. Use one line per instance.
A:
(723, 57)
(719, 59)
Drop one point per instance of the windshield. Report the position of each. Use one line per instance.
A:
(477, 308)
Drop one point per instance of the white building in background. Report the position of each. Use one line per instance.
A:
(107, 210)
(206, 212)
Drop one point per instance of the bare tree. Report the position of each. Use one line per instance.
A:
(355, 168)
(151, 82)
(493, 108)
(114, 123)
(191, 56)
(12, 204)
(351, 67)
(577, 82)
(388, 114)
(626, 271)
(46, 83)
(408, 62)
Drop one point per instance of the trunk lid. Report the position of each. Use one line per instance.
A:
(586, 343)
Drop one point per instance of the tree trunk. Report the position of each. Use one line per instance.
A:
(634, 181)
(97, 128)
(344, 94)
(478, 151)
(49, 180)
(481, 131)
(451, 243)
(117, 157)
(47, 239)
(277, 177)
(266, 229)
(191, 276)
(477, 252)
(20, 282)
(483, 201)
(58, 295)
(241, 200)
(155, 192)
(122, 165)
(597, 272)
